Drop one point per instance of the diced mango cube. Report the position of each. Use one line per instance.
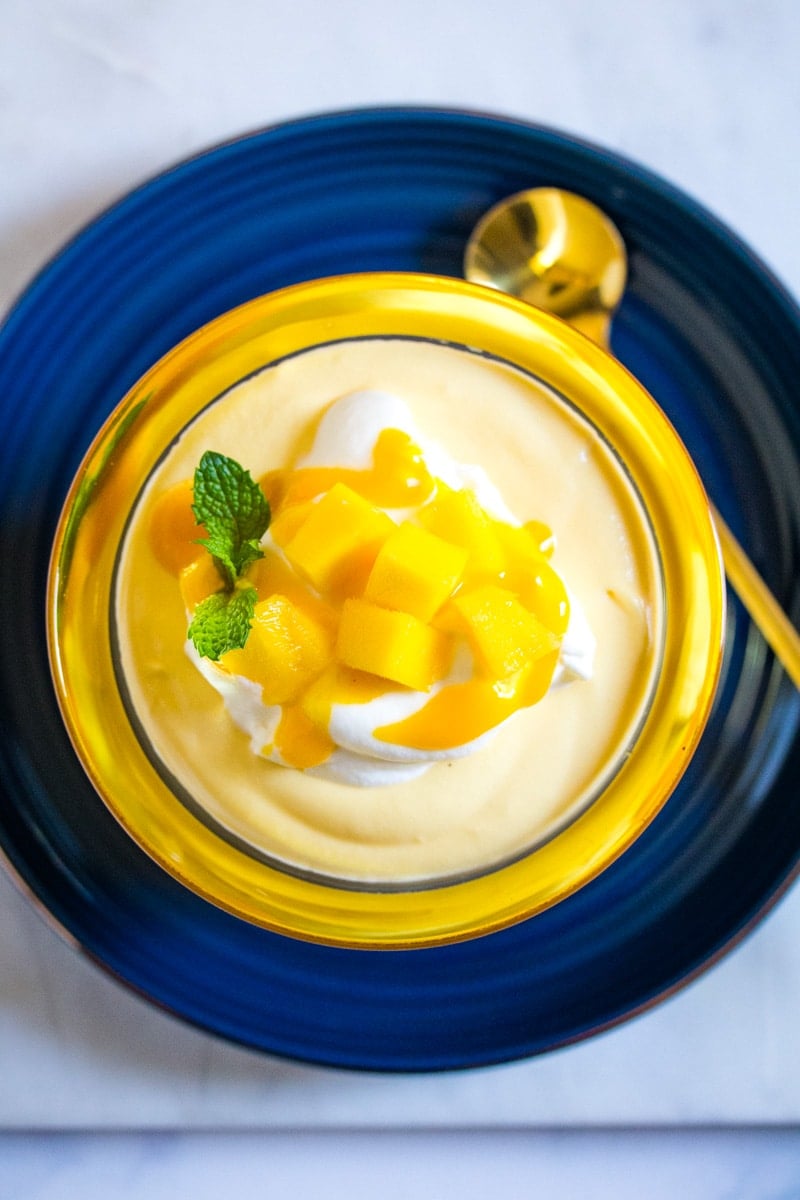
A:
(448, 618)
(285, 651)
(542, 591)
(272, 574)
(274, 486)
(394, 645)
(285, 525)
(415, 571)
(457, 517)
(174, 532)
(504, 635)
(199, 580)
(339, 540)
(534, 682)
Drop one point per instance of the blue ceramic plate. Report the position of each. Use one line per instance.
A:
(704, 327)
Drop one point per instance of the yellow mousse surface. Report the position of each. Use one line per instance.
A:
(353, 603)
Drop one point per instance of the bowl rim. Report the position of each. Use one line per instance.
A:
(253, 336)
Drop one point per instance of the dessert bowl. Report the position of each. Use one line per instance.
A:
(128, 692)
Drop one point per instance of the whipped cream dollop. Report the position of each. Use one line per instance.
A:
(345, 439)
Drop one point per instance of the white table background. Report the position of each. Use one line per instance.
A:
(700, 1097)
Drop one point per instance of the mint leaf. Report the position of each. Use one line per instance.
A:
(236, 514)
(222, 622)
(234, 511)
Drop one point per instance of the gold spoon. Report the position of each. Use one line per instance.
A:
(561, 253)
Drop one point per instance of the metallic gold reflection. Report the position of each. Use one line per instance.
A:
(555, 250)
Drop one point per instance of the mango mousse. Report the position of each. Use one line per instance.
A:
(425, 600)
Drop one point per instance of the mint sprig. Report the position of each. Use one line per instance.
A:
(222, 622)
(236, 514)
(234, 511)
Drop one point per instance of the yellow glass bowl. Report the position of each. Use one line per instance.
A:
(234, 347)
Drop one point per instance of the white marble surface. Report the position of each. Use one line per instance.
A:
(96, 95)
(594, 1165)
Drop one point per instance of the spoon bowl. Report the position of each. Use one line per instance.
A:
(555, 250)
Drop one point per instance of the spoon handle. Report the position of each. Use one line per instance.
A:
(777, 629)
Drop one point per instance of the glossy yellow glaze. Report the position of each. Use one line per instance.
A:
(397, 477)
